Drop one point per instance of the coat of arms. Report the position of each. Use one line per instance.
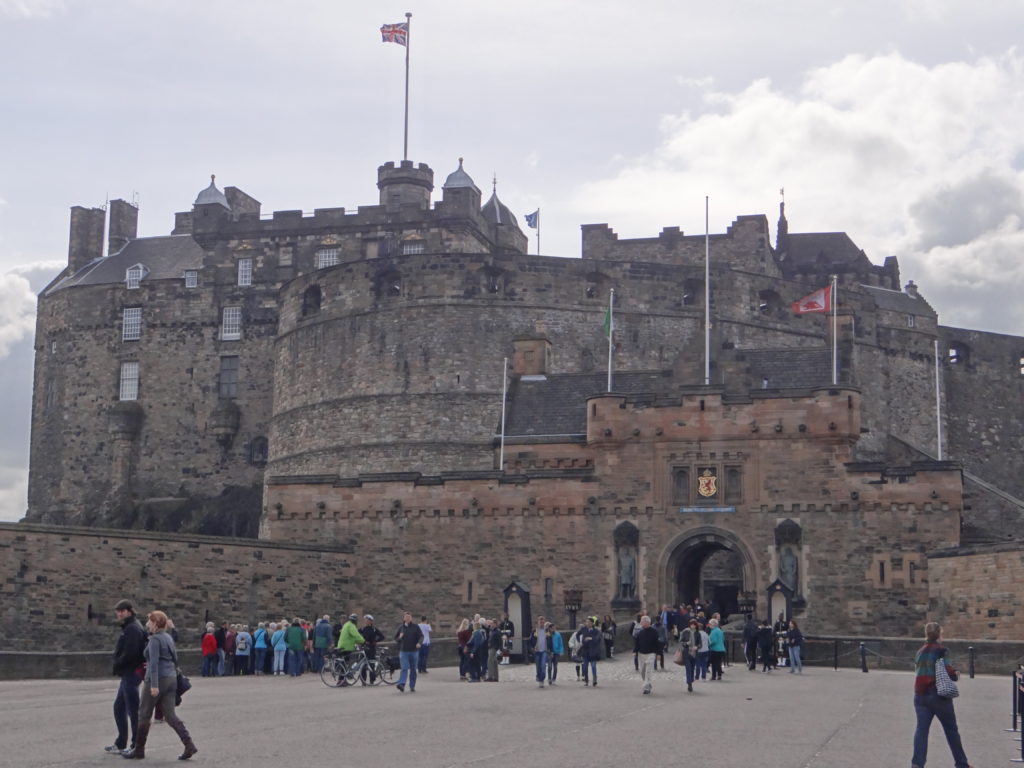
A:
(707, 483)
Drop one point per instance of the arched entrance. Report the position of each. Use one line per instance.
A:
(708, 563)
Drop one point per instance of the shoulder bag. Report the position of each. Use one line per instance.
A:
(944, 684)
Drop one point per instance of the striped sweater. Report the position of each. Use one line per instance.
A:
(927, 657)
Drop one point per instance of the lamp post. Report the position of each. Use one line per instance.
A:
(573, 602)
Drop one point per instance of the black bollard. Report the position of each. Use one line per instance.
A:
(1013, 702)
(835, 655)
(863, 658)
(970, 666)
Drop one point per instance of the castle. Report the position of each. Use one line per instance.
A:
(335, 383)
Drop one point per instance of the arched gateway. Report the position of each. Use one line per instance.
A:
(711, 563)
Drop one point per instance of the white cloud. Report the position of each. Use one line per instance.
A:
(17, 310)
(910, 160)
(13, 493)
(31, 9)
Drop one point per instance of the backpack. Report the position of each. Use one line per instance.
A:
(242, 643)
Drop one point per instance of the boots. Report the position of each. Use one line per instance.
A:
(138, 752)
(182, 731)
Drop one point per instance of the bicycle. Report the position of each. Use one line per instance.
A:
(339, 671)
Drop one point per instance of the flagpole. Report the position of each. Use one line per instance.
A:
(938, 405)
(835, 341)
(408, 44)
(504, 398)
(538, 231)
(707, 296)
(611, 333)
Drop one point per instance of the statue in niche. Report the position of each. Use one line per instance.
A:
(789, 568)
(627, 573)
(627, 540)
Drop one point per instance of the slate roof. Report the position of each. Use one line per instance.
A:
(459, 178)
(496, 212)
(164, 257)
(801, 368)
(898, 301)
(812, 249)
(557, 405)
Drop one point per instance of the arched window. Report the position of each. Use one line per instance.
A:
(681, 485)
(311, 301)
(259, 451)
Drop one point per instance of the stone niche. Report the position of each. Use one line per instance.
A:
(626, 537)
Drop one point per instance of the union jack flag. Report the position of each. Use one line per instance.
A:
(395, 33)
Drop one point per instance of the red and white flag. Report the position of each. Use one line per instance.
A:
(819, 301)
(395, 33)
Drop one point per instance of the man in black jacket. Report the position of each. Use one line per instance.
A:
(648, 646)
(409, 637)
(128, 656)
(750, 642)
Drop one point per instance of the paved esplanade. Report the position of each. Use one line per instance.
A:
(823, 719)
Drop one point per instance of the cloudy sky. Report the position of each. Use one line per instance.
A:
(898, 122)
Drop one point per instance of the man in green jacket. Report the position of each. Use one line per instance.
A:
(350, 636)
(295, 637)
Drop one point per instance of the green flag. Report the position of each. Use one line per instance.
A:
(606, 326)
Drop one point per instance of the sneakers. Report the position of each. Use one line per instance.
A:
(540, 685)
(113, 749)
(689, 687)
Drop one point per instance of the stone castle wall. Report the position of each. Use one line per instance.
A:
(976, 593)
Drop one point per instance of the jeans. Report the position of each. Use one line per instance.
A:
(318, 659)
(795, 662)
(592, 665)
(541, 659)
(690, 662)
(424, 653)
(279, 662)
(463, 661)
(261, 655)
(220, 662)
(209, 666)
(552, 667)
(241, 665)
(126, 709)
(296, 662)
(932, 705)
(702, 664)
(410, 662)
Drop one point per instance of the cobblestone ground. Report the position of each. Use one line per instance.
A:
(822, 719)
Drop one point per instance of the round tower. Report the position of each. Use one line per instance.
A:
(405, 184)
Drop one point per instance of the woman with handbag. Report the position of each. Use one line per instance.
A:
(161, 684)
(934, 690)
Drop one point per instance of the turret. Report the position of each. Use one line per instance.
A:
(461, 195)
(210, 208)
(405, 185)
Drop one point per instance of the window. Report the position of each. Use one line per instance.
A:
(191, 278)
(53, 351)
(394, 286)
(259, 451)
(284, 256)
(227, 381)
(733, 485)
(326, 257)
(245, 271)
(413, 247)
(681, 485)
(129, 381)
(231, 324)
(1021, 361)
(131, 324)
(132, 277)
(910, 321)
(549, 590)
(311, 300)
(957, 354)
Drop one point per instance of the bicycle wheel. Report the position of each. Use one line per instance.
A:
(333, 673)
(385, 674)
(372, 674)
(351, 674)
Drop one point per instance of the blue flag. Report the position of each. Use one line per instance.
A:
(533, 219)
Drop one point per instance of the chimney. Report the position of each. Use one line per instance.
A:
(85, 242)
(124, 225)
(911, 290)
(531, 356)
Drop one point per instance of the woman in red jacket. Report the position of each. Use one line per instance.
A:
(209, 652)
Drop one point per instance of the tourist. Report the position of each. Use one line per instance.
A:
(555, 652)
(229, 649)
(260, 644)
(704, 654)
(765, 641)
(574, 649)
(220, 635)
(243, 649)
(295, 639)
(321, 641)
(662, 630)
(928, 703)
(648, 646)
(590, 650)
(750, 642)
(426, 629)
(279, 644)
(160, 685)
(716, 647)
(608, 635)
(794, 643)
(371, 636)
(539, 640)
(632, 632)
(209, 650)
(477, 650)
(689, 643)
(128, 657)
(409, 638)
(494, 639)
(462, 636)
